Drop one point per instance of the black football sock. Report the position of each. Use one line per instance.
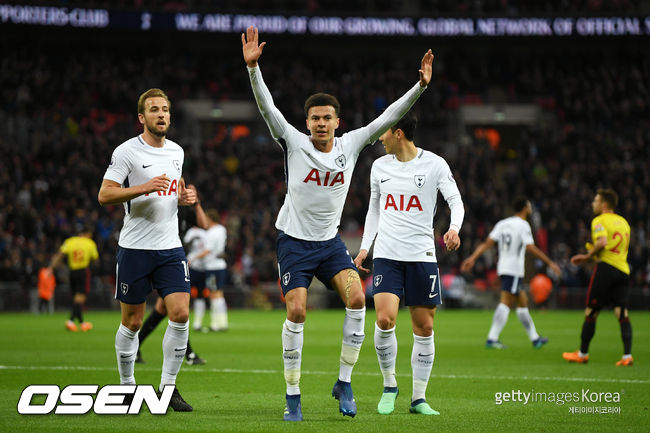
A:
(588, 330)
(149, 325)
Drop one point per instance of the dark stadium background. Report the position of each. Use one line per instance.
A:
(551, 117)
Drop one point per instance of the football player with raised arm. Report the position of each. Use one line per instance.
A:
(404, 187)
(145, 175)
(318, 169)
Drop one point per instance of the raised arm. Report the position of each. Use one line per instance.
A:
(397, 109)
(252, 51)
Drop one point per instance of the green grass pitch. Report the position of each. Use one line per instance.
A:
(241, 388)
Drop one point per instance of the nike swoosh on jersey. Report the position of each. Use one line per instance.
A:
(146, 166)
(290, 350)
(425, 354)
(385, 180)
(354, 334)
(432, 295)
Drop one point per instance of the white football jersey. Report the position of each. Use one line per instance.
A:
(215, 242)
(402, 206)
(194, 241)
(318, 182)
(512, 235)
(150, 220)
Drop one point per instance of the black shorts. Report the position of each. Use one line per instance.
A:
(80, 281)
(608, 286)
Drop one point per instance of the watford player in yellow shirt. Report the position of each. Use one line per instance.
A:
(610, 234)
(80, 251)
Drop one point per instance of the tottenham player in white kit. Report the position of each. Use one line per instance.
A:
(145, 175)
(404, 187)
(194, 241)
(215, 266)
(514, 237)
(318, 169)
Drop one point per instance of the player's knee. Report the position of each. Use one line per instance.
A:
(357, 300)
(296, 312)
(423, 330)
(179, 314)
(385, 322)
(591, 315)
(133, 323)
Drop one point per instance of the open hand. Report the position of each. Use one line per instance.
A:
(250, 48)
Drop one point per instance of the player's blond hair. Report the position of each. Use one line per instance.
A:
(609, 196)
(213, 214)
(152, 93)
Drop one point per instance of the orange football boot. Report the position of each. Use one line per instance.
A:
(575, 357)
(625, 362)
(70, 326)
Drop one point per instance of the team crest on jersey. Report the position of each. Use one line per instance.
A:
(177, 165)
(340, 161)
(378, 279)
(419, 180)
(286, 278)
(112, 161)
(125, 288)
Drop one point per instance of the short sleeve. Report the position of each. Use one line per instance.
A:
(120, 166)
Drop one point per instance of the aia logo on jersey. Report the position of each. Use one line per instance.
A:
(377, 280)
(327, 178)
(400, 203)
(173, 188)
(340, 161)
(419, 180)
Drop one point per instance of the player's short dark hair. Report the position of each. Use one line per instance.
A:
(609, 196)
(152, 93)
(519, 203)
(322, 100)
(407, 124)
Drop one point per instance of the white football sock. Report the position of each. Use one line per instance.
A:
(422, 356)
(353, 336)
(126, 348)
(524, 317)
(199, 312)
(386, 348)
(214, 313)
(498, 321)
(292, 341)
(222, 313)
(174, 347)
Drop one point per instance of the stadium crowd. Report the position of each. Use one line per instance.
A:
(64, 111)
